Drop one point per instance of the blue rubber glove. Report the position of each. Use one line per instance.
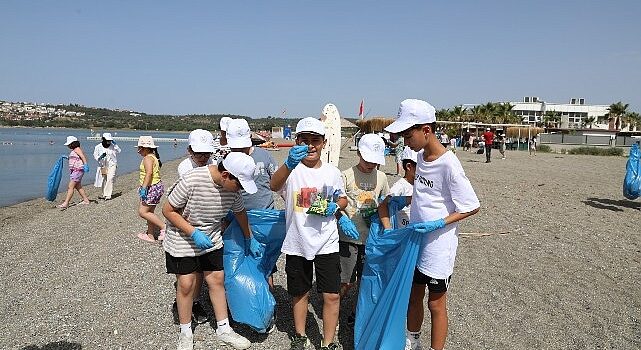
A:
(142, 192)
(296, 154)
(85, 168)
(331, 209)
(428, 226)
(399, 201)
(202, 240)
(253, 247)
(348, 227)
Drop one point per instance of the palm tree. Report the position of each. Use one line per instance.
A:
(443, 114)
(504, 112)
(633, 119)
(617, 110)
(476, 113)
(589, 121)
(551, 118)
(458, 113)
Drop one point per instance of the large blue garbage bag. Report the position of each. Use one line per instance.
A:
(632, 181)
(385, 287)
(53, 181)
(248, 295)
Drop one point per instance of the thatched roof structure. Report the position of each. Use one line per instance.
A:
(375, 124)
(347, 124)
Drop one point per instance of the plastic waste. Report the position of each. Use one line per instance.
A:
(248, 295)
(385, 287)
(53, 181)
(632, 180)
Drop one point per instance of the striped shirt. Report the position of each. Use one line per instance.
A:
(203, 205)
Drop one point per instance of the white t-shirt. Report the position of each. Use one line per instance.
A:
(308, 235)
(188, 164)
(402, 188)
(440, 189)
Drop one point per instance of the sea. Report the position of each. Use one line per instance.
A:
(28, 154)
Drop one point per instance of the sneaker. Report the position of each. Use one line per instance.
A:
(332, 346)
(185, 342)
(412, 345)
(299, 342)
(234, 339)
(198, 313)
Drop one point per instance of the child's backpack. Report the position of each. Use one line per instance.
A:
(632, 180)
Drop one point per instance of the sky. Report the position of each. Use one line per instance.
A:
(262, 58)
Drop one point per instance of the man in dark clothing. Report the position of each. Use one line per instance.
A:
(488, 137)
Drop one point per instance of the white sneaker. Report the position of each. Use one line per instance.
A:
(185, 342)
(412, 345)
(234, 339)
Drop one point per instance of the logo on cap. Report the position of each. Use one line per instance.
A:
(377, 147)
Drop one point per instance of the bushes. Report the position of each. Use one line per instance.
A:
(597, 151)
(544, 149)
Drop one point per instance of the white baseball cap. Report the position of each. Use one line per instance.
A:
(372, 148)
(238, 134)
(107, 136)
(242, 166)
(224, 121)
(146, 141)
(70, 139)
(408, 153)
(201, 141)
(412, 112)
(312, 125)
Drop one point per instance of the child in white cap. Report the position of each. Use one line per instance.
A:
(200, 148)
(405, 185)
(442, 196)
(311, 239)
(364, 185)
(78, 166)
(193, 244)
(151, 188)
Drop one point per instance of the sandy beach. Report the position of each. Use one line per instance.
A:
(560, 268)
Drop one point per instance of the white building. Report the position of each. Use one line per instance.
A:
(532, 109)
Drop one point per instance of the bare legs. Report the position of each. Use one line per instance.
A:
(77, 186)
(147, 212)
(437, 304)
(331, 302)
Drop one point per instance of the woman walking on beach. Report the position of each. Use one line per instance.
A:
(151, 188)
(77, 168)
(105, 153)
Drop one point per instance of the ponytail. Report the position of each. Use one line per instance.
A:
(157, 157)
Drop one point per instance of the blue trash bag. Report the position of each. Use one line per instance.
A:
(53, 181)
(385, 286)
(248, 295)
(632, 180)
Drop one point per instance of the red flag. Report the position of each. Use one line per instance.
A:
(360, 110)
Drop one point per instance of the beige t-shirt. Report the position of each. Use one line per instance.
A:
(363, 194)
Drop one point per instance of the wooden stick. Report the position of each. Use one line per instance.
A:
(481, 234)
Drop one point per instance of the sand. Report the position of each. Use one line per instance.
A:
(563, 275)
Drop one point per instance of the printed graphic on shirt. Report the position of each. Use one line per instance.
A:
(306, 196)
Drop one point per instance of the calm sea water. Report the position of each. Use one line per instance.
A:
(27, 155)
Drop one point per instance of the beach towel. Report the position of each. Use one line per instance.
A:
(632, 180)
(53, 181)
(248, 295)
(385, 287)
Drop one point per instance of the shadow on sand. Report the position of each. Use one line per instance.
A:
(59, 345)
(611, 204)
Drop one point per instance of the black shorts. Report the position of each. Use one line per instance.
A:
(434, 285)
(299, 273)
(212, 261)
(352, 259)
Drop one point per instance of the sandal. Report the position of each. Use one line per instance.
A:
(143, 236)
(83, 203)
(62, 207)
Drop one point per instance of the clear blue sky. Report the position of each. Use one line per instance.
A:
(257, 58)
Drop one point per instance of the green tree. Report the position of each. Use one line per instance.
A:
(617, 111)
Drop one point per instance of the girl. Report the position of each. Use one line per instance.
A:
(77, 168)
(151, 188)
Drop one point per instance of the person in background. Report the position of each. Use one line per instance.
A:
(224, 122)
(311, 239)
(105, 153)
(405, 185)
(442, 197)
(502, 141)
(200, 148)
(239, 140)
(77, 168)
(364, 186)
(453, 145)
(151, 188)
(533, 145)
(396, 142)
(467, 142)
(488, 138)
(194, 244)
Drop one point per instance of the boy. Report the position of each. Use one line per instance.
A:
(311, 240)
(405, 185)
(200, 148)
(364, 185)
(442, 196)
(193, 244)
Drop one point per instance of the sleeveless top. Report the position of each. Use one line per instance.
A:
(74, 160)
(155, 177)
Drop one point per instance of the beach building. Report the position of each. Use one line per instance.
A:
(573, 114)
